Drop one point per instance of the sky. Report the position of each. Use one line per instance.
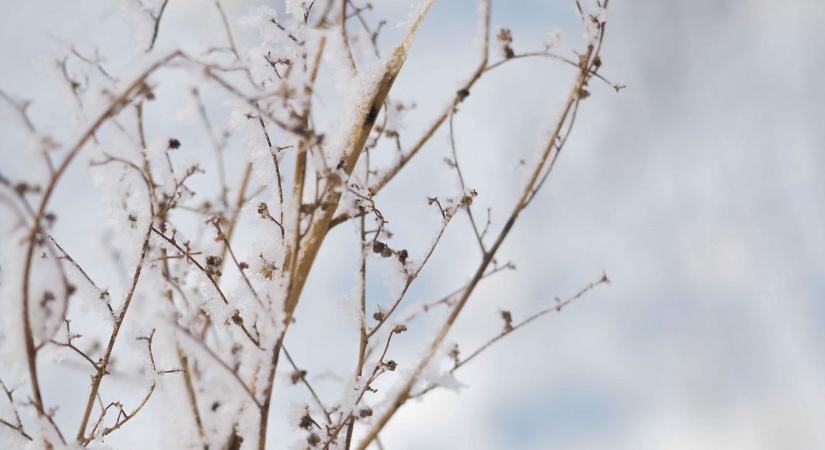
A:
(695, 189)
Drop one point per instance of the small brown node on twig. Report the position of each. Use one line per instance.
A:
(307, 421)
(297, 376)
(508, 320)
(381, 249)
(146, 92)
(403, 255)
(174, 144)
(263, 210)
(505, 39)
(48, 297)
(213, 265)
(455, 354)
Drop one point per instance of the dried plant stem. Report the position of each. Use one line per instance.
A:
(342, 21)
(156, 28)
(190, 394)
(463, 185)
(102, 366)
(461, 94)
(302, 259)
(363, 338)
(114, 106)
(302, 377)
(357, 138)
(557, 307)
(573, 97)
(293, 251)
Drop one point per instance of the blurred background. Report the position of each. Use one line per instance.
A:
(697, 189)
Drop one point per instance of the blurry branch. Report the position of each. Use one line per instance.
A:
(114, 106)
(21, 108)
(103, 365)
(156, 28)
(342, 23)
(18, 424)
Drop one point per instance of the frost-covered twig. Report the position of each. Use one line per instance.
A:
(36, 228)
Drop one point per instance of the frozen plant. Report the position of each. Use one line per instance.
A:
(207, 255)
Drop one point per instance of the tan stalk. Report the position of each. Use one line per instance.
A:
(355, 144)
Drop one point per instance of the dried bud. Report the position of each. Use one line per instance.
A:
(263, 209)
(454, 354)
(174, 144)
(378, 246)
(508, 320)
(399, 328)
(48, 297)
(307, 422)
(146, 92)
(297, 376)
(505, 38)
(378, 315)
(391, 365)
(402, 255)
(213, 265)
(364, 412)
(504, 35)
